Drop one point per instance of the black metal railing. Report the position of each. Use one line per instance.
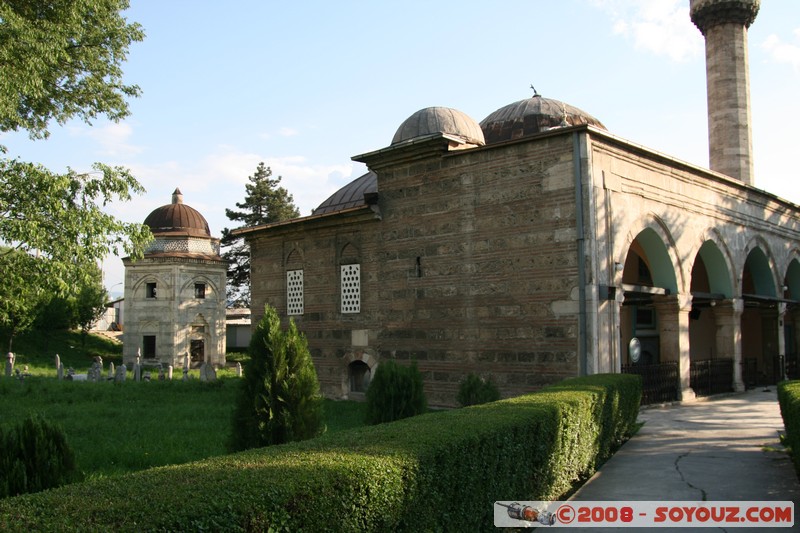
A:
(711, 376)
(660, 382)
(792, 367)
(750, 372)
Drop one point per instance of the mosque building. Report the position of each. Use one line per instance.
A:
(537, 245)
(175, 295)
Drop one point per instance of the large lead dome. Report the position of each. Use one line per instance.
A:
(439, 120)
(177, 218)
(531, 116)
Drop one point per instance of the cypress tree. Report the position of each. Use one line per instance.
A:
(280, 399)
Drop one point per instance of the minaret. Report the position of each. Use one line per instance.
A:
(724, 25)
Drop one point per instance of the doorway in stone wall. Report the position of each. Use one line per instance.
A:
(360, 375)
(197, 350)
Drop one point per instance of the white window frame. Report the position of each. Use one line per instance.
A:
(295, 292)
(350, 281)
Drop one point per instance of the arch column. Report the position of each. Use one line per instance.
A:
(673, 331)
(728, 316)
(781, 341)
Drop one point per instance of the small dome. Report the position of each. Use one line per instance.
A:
(177, 217)
(531, 116)
(351, 195)
(439, 120)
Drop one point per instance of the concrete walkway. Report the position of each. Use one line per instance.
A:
(724, 448)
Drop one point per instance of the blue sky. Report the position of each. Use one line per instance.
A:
(303, 86)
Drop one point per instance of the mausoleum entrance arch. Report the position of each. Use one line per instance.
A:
(198, 337)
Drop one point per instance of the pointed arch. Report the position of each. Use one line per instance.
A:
(758, 271)
(140, 286)
(791, 279)
(652, 251)
(201, 278)
(349, 253)
(714, 258)
(294, 257)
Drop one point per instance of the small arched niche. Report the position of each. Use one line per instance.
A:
(359, 375)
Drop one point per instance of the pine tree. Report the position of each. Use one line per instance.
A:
(280, 400)
(265, 202)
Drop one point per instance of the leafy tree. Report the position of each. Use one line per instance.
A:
(90, 304)
(21, 291)
(265, 202)
(60, 59)
(280, 399)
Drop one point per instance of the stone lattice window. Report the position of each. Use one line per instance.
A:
(200, 290)
(351, 288)
(294, 292)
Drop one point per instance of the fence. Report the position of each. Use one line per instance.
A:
(659, 382)
(711, 376)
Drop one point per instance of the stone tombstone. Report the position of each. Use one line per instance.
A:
(137, 371)
(120, 374)
(59, 368)
(111, 371)
(207, 372)
(169, 372)
(162, 376)
(238, 369)
(10, 364)
(96, 372)
(146, 376)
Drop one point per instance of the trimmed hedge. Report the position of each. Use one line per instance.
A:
(789, 400)
(437, 471)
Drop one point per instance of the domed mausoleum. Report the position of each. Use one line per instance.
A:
(175, 294)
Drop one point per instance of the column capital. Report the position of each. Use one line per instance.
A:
(680, 301)
(731, 305)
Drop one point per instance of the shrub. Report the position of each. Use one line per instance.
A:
(789, 400)
(474, 390)
(395, 392)
(280, 399)
(36, 456)
(441, 471)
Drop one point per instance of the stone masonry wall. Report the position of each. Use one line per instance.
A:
(472, 268)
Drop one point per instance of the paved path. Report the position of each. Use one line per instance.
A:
(725, 448)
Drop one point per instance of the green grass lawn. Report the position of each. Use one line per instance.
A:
(116, 428)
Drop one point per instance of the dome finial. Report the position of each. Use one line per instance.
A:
(177, 196)
(564, 122)
(535, 94)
